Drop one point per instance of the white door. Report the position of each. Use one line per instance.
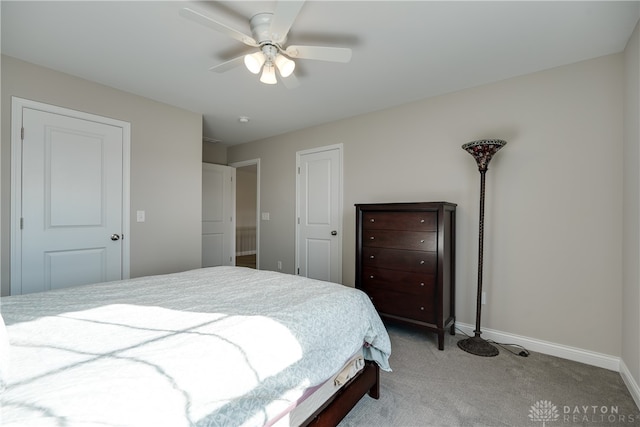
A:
(319, 209)
(72, 205)
(218, 206)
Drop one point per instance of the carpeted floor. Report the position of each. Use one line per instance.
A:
(429, 387)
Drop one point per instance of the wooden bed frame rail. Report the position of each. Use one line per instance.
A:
(338, 406)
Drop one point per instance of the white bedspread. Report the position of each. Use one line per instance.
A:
(221, 346)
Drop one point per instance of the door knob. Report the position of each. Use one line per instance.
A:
(334, 233)
(115, 237)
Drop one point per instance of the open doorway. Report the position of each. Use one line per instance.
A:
(247, 213)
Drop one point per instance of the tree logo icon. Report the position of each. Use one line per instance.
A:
(543, 411)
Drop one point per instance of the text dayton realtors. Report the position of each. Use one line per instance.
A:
(596, 414)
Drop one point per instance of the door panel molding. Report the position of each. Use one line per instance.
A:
(18, 105)
(56, 262)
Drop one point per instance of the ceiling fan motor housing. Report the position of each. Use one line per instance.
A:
(261, 30)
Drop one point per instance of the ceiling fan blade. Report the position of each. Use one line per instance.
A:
(283, 18)
(228, 65)
(321, 53)
(290, 82)
(218, 26)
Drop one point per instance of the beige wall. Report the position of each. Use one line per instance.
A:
(166, 164)
(631, 212)
(553, 249)
(553, 241)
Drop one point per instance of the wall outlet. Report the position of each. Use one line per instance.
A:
(484, 298)
(279, 265)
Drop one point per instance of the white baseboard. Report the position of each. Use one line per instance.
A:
(630, 382)
(566, 352)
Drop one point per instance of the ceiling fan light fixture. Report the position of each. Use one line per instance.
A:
(285, 65)
(268, 74)
(255, 61)
(269, 34)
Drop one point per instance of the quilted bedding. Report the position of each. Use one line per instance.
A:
(216, 346)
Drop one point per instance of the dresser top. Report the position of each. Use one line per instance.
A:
(406, 205)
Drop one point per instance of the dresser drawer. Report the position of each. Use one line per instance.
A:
(411, 221)
(399, 281)
(412, 240)
(403, 305)
(398, 259)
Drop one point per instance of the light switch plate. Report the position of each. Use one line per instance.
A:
(140, 216)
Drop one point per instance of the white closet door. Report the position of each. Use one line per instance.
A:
(319, 205)
(72, 204)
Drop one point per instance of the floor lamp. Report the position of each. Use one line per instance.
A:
(482, 151)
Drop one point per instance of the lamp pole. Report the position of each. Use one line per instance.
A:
(482, 151)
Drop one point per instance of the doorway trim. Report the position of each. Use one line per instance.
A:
(255, 162)
(17, 105)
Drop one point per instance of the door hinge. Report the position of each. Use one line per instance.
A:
(298, 170)
(298, 271)
(298, 220)
(21, 223)
(22, 133)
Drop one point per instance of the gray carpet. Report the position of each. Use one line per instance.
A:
(429, 387)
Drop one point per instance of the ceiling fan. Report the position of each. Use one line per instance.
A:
(269, 35)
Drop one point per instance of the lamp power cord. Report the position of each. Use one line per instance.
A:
(515, 349)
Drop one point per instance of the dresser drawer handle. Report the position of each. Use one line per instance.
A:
(421, 283)
(371, 238)
(422, 220)
(421, 262)
(370, 277)
(372, 220)
(422, 241)
(371, 257)
(422, 308)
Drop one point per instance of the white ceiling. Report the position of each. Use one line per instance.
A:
(402, 52)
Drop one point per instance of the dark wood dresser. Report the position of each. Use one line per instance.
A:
(405, 262)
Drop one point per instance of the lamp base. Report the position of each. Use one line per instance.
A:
(478, 346)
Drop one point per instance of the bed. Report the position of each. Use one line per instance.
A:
(220, 346)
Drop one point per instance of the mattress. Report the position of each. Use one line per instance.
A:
(216, 346)
(314, 397)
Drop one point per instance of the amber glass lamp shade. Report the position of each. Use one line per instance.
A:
(483, 150)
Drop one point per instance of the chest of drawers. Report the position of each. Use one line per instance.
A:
(405, 262)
